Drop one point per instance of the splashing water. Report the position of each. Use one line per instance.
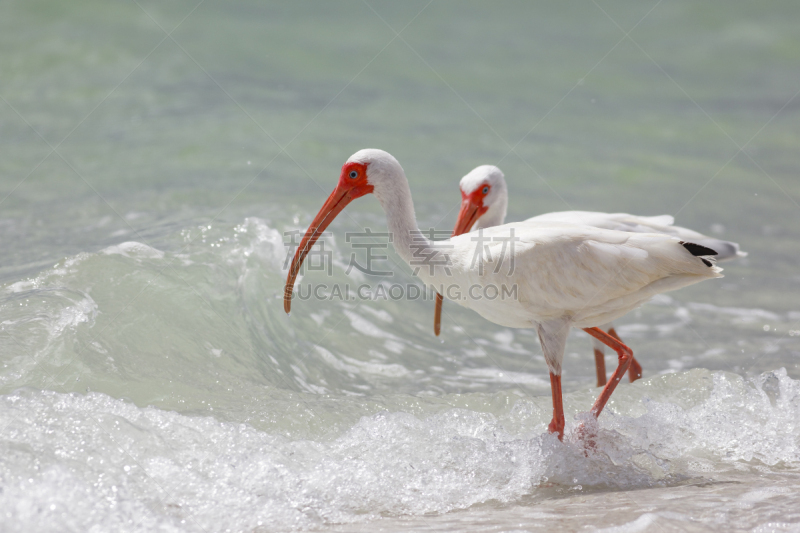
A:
(94, 459)
(145, 427)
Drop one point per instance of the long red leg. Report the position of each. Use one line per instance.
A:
(625, 356)
(600, 365)
(557, 425)
(635, 370)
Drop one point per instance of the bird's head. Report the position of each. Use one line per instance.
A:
(366, 171)
(484, 199)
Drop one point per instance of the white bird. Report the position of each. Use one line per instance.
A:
(484, 201)
(555, 275)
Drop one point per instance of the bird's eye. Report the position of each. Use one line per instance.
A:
(486, 190)
(353, 174)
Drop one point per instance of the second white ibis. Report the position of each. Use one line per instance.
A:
(484, 202)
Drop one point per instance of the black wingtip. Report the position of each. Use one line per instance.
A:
(706, 262)
(698, 250)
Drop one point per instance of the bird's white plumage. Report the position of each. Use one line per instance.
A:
(582, 275)
(607, 257)
(555, 275)
(637, 224)
(588, 275)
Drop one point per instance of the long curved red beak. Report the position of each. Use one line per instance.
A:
(469, 213)
(337, 201)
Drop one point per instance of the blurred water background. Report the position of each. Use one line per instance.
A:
(154, 153)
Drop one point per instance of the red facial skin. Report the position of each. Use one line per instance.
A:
(348, 189)
(472, 209)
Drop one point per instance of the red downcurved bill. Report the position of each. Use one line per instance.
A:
(469, 213)
(337, 201)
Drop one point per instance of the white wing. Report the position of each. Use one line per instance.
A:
(632, 223)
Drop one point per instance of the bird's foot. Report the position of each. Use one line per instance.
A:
(634, 370)
(557, 426)
(586, 433)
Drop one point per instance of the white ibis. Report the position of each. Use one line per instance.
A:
(558, 275)
(484, 200)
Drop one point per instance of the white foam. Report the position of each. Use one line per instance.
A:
(83, 461)
(135, 250)
(255, 238)
(640, 524)
(494, 375)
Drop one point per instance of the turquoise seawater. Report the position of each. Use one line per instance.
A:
(155, 154)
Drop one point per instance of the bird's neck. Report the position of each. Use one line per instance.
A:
(409, 242)
(490, 220)
(496, 215)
